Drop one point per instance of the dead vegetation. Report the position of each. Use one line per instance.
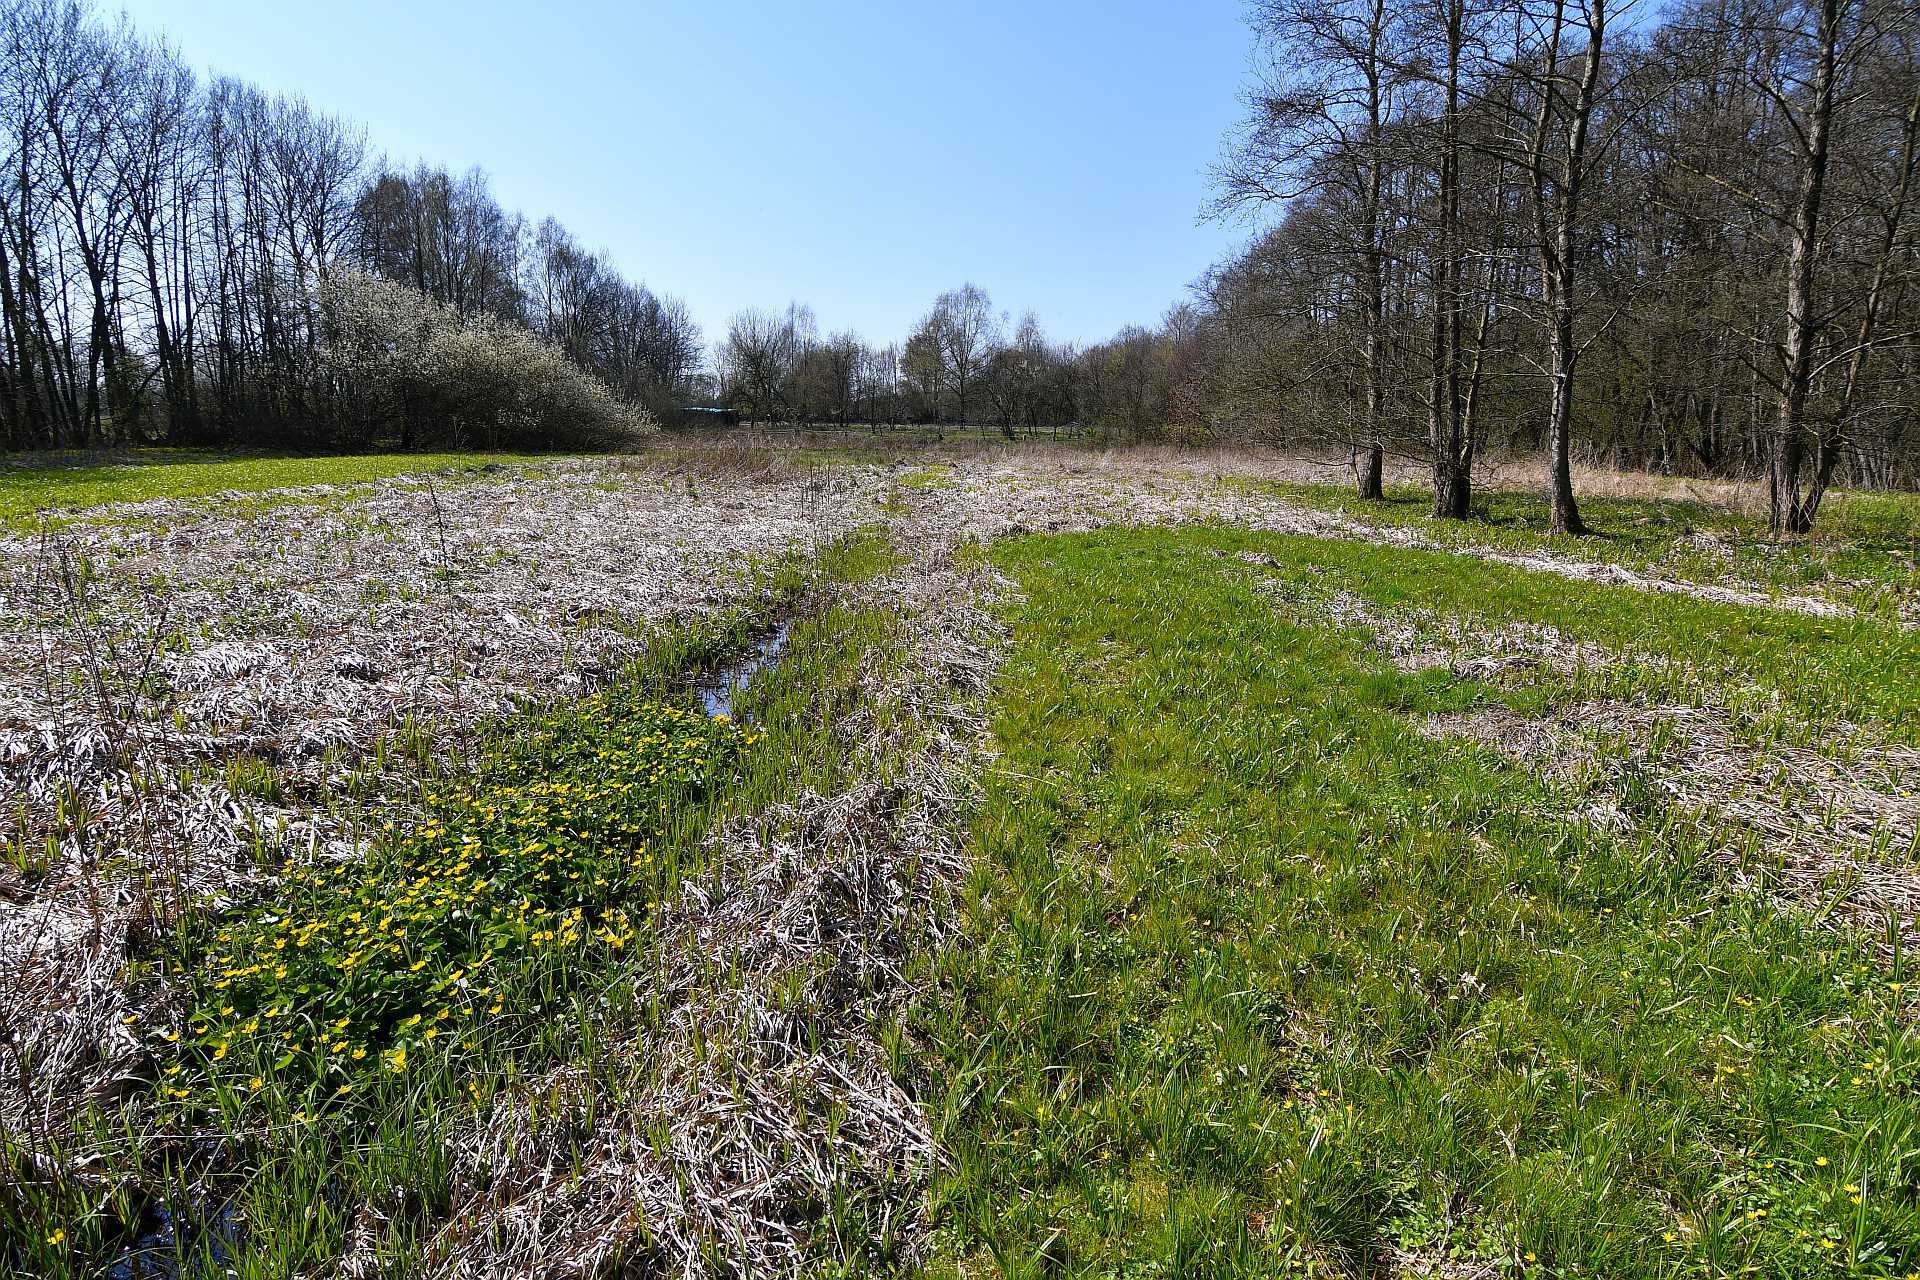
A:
(1835, 829)
(189, 684)
(1423, 640)
(184, 693)
(768, 1096)
(196, 689)
(1833, 832)
(1056, 493)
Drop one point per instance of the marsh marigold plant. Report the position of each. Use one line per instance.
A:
(535, 857)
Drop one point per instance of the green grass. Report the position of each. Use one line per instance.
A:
(67, 483)
(1261, 981)
(1865, 551)
(1258, 980)
(1819, 672)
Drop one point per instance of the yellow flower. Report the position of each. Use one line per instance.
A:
(57, 1238)
(1820, 1161)
(1668, 1236)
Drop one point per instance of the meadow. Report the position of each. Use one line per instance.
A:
(748, 859)
(61, 483)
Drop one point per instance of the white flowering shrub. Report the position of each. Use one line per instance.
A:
(402, 363)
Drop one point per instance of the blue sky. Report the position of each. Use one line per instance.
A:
(859, 157)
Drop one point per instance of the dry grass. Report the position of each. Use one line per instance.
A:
(1836, 830)
(769, 1087)
(156, 663)
(180, 695)
(1831, 832)
(188, 689)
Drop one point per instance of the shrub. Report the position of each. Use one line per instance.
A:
(400, 362)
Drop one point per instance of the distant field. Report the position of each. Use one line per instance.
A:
(70, 482)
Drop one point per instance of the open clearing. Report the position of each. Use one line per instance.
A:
(1131, 864)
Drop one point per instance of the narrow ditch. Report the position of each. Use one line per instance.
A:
(171, 1233)
(719, 687)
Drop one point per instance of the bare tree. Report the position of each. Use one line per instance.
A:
(1321, 122)
(964, 334)
(1807, 96)
(762, 352)
(1560, 60)
(1450, 422)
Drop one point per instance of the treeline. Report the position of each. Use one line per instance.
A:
(962, 364)
(1686, 245)
(190, 262)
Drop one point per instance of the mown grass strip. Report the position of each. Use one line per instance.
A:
(1262, 981)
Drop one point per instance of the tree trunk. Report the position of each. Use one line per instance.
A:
(1556, 212)
(1834, 437)
(1369, 474)
(1446, 419)
(1564, 511)
(1452, 489)
(1370, 470)
(1787, 510)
